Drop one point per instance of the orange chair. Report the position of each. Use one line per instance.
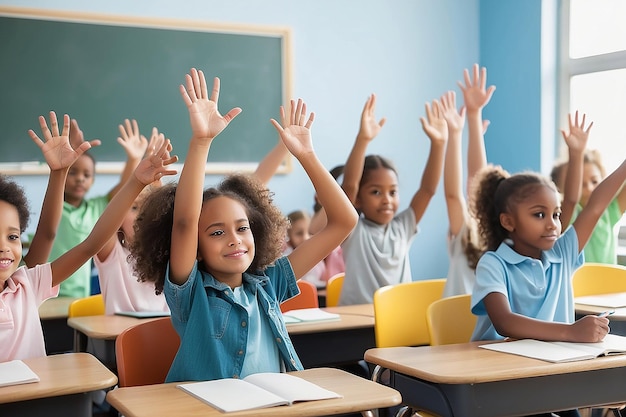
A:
(144, 353)
(306, 299)
(333, 289)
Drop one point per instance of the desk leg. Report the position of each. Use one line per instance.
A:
(80, 341)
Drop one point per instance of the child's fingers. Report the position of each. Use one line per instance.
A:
(44, 128)
(35, 138)
(54, 125)
(66, 125)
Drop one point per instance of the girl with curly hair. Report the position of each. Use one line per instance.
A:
(216, 253)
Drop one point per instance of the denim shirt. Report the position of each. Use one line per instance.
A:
(213, 327)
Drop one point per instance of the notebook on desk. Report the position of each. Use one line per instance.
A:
(614, 300)
(16, 372)
(143, 314)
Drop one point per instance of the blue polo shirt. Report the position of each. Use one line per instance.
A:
(214, 326)
(537, 288)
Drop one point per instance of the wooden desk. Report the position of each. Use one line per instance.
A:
(66, 381)
(166, 400)
(57, 334)
(618, 319)
(317, 344)
(465, 380)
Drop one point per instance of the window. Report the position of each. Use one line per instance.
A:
(593, 72)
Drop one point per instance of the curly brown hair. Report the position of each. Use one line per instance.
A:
(497, 192)
(14, 194)
(150, 249)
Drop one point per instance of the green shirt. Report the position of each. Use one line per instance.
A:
(602, 245)
(76, 224)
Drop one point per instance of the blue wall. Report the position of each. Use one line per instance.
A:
(407, 52)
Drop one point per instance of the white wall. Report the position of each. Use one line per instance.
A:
(406, 51)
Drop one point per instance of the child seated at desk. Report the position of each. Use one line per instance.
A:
(23, 289)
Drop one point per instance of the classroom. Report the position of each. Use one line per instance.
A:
(407, 53)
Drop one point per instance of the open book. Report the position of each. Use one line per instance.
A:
(256, 391)
(307, 315)
(16, 372)
(561, 351)
(143, 314)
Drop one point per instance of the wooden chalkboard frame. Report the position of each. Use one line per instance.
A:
(218, 167)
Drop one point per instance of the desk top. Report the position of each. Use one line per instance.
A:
(55, 308)
(466, 363)
(63, 374)
(108, 327)
(620, 312)
(359, 394)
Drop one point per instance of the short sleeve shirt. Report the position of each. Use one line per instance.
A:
(460, 278)
(21, 336)
(602, 244)
(537, 288)
(377, 255)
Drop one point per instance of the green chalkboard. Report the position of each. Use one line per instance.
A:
(101, 70)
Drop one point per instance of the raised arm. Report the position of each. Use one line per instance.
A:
(206, 124)
(453, 166)
(59, 156)
(340, 213)
(135, 145)
(476, 95)
(576, 141)
(150, 169)
(271, 162)
(436, 129)
(367, 132)
(598, 202)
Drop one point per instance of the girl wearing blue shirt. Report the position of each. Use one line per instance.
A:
(216, 254)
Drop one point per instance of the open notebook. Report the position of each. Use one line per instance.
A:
(260, 390)
(561, 351)
(143, 314)
(16, 372)
(308, 315)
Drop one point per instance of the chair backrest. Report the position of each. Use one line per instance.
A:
(306, 299)
(333, 289)
(450, 320)
(400, 312)
(144, 353)
(593, 278)
(92, 305)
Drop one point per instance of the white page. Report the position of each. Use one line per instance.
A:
(291, 387)
(613, 300)
(232, 394)
(537, 349)
(309, 314)
(16, 372)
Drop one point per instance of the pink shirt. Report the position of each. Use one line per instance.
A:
(120, 288)
(21, 336)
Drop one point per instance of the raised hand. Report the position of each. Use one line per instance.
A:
(56, 149)
(206, 121)
(475, 94)
(454, 118)
(434, 124)
(77, 137)
(296, 129)
(369, 126)
(153, 166)
(134, 143)
(578, 134)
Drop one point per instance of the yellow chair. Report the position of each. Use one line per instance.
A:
(92, 305)
(333, 289)
(306, 299)
(593, 279)
(144, 353)
(450, 320)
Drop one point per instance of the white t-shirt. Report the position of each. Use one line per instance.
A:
(21, 336)
(121, 290)
(376, 256)
(461, 278)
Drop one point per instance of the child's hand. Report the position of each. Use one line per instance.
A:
(475, 95)
(77, 138)
(295, 132)
(206, 121)
(578, 135)
(131, 140)
(454, 119)
(152, 167)
(369, 126)
(56, 149)
(589, 329)
(435, 125)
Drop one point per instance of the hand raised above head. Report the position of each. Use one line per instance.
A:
(295, 131)
(578, 134)
(454, 118)
(475, 92)
(77, 137)
(206, 120)
(434, 124)
(369, 126)
(154, 166)
(56, 149)
(134, 143)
